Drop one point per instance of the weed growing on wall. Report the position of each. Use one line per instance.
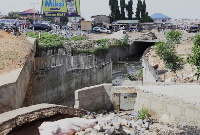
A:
(54, 41)
(194, 58)
(76, 38)
(143, 114)
(48, 41)
(103, 46)
(134, 77)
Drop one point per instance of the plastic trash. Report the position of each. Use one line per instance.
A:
(67, 126)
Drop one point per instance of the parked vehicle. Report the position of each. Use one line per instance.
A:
(132, 28)
(96, 29)
(193, 29)
(104, 30)
(8, 27)
(41, 27)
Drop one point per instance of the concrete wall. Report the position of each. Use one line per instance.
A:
(19, 117)
(57, 74)
(13, 89)
(149, 73)
(56, 77)
(94, 98)
(137, 48)
(168, 109)
(105, 96)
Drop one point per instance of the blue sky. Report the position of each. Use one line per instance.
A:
(171, 8)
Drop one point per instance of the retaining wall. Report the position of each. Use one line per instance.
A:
(13, 89)
(56, 77)
(149, 73)
(94, 98)
(171, 104)
(136, 49)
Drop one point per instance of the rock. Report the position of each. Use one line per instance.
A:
(110, 131)
(139, 122)
(134, 114)
(147, 125)
(138, 127)
(94, 132)
(98, 127)
(116, 125)
(88, 130)
(81, 133)
(124, 122)
(127, 131)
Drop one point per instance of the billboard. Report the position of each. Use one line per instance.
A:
(61, 8)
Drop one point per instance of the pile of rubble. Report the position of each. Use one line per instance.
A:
(147, 36)
(126, 123)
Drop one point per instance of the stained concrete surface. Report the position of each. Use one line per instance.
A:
(188, 93)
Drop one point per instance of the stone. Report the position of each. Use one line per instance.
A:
(147, 125)
(94, 132)
(124, 121)
(116, 125)
(81, 133)
(88, 130)
(127, 131)
(98, 127)
(109, 131)
(139, 122)
(138, 127)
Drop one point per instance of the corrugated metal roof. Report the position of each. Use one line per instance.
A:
(160, 16)
(126, 21)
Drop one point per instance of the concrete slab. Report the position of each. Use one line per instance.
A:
(10, 77)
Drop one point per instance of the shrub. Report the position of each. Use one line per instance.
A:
(143, 114)
(76, 38)
(174, 37)
(166, 51)
(194, 58)
(48, 41)
(171, 59)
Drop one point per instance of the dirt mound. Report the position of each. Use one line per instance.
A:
(13, 52)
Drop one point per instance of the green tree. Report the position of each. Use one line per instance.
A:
(13, 15)
(138, 9)
(141, 13)
(122, 5)
(195, 56)
(129, 9)
(166, 51)
(115, 13)
(174, 37)
(143, 9)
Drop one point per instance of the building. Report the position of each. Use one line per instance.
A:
(100, 20)
(30, 14)
(125, 23)
(161, 20)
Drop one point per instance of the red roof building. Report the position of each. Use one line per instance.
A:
(29, 14)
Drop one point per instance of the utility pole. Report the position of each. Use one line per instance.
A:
(34, 11)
